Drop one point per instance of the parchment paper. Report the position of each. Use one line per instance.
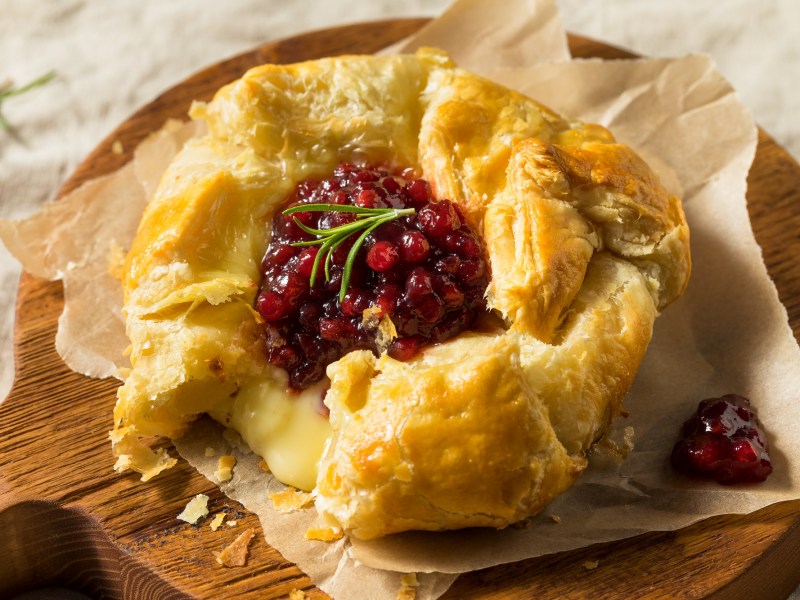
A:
(729, 333)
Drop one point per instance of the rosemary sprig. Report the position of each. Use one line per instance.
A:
(7, 92)
(367, 220)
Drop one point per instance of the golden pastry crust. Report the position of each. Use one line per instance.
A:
(585, 246)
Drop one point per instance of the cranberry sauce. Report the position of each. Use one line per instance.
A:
(427, 271)
(723, 441)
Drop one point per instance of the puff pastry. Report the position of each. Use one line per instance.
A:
(585, 245)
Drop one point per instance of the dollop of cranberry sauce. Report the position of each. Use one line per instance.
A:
(427, 272)
(724, 441)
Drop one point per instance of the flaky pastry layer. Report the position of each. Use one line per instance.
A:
(585, 245)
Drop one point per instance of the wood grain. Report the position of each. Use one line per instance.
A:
(69, 520)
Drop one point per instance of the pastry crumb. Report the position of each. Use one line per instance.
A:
(235, 440)
(408, 587)
(209, 452)
(324, 533)
(373, 319)
(297, 595)
(555, 519)
(196, 509)
(116, 260)
(216, 522)
(233, 523)
(628, 438)
(290, 500)
(262, 464)
(235, 554)
(225, 467)
(619, 450)
(117, 147)
(590, 565)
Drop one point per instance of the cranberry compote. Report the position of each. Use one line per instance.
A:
(723, 441)
(426, 271)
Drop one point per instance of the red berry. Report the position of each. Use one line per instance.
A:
(308, 316)
(471, 271)
(291, 285)
(272, 306)
(437, 219)
(306, 188)
(419, 283)
(355, 302)
(367, 199)
(284, 357)
(429, 309)
(448, 264)
(405, 348)
(418, 191)
(383, 256)
(339, 256)
(306, 374)
(723, 440)
(337, 197)
(469, 246)
(305, 261)
(390, 185)
(386, 296)
(365, 176)
(448, 291)
(277, 255)
(414, 247)
(335, 330)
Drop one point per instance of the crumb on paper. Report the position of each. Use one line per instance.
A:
(116, 260)
(555, 519)
(235, 440)
(628, 438)
(590, 565)
(225, 467)
(291, 499)
(262, 464)
(117, 147)
(209, 452)
(324, 533)
(296, 594)
(196, 509)
(235, 554)
(216, 522)
(408, 587)
(621, 449)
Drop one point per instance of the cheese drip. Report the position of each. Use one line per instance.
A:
(286, 430)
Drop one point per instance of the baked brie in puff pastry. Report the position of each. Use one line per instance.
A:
(585, 248)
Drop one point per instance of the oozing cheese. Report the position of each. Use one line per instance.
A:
(286, 430)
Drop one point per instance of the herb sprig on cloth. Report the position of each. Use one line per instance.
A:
(7, 91)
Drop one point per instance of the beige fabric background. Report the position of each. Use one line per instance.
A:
(114, 56)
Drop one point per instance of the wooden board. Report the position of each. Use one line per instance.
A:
(68, 519)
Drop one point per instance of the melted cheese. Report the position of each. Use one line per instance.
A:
(286, 430)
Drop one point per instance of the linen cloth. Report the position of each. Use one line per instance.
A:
(113, 57)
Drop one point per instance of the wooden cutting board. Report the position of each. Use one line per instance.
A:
(67, 519)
